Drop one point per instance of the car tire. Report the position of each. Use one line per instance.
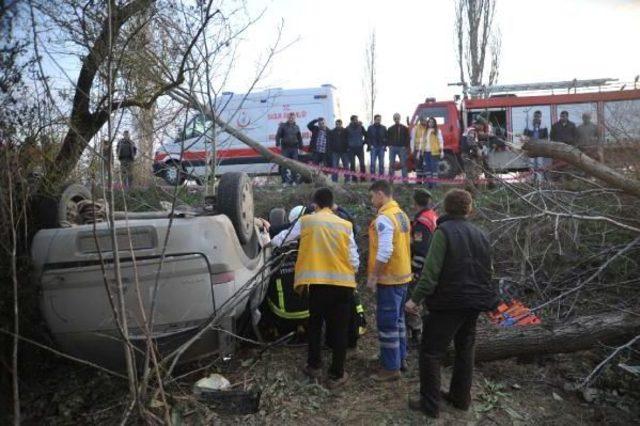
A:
(235, 200)
(71, 193)
(449, 167)
(277, 217)
(172, 173)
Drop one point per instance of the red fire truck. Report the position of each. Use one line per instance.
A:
(614, 107)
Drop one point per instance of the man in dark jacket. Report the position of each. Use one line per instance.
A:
(456, 285)
(537, 131)
(339, 147)
(564, 130)
(377, 142)
(127, 152)
(399, 141)
(589, 137)
(356, 136)
(289, 311)
(289, 139)
(422, 228)
(319, 143)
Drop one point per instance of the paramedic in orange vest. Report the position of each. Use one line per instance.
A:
(326, 265)
(389, 273)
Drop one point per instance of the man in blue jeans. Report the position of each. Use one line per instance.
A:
(389, 273)
(377, 142)
(399, 141)
(289, 140)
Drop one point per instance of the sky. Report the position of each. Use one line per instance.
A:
(543, 40)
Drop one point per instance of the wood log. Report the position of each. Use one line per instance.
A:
(306, 172)
(577, 158)
(573, 335)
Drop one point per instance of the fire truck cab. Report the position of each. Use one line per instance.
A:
(447, 116)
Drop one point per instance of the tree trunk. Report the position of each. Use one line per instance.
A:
(575, 157)
(307, 173)
(578, 334)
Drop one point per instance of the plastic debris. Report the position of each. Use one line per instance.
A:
(213, 382)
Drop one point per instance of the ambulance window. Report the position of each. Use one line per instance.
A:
(198, 126)
(441, 114)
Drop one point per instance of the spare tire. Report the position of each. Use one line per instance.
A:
(72, 193)
(277, 217)
(235, 200)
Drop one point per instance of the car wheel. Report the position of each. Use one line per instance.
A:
(72, 193)
(172, 173)
(448, 167)
(277, 216)
(235, 200)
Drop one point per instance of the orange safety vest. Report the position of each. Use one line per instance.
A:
(398, 269)
(323, 256)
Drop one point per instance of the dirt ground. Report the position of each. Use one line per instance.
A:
(504, 392)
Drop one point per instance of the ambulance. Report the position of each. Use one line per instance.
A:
(191, 153)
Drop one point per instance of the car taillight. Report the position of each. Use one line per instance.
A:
(223, 278)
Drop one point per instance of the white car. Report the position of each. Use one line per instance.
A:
(212, 265)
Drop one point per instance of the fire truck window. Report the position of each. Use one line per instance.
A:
(522, 118)
(497, 120)
(576, 110)
(622, 119)
(440, 114)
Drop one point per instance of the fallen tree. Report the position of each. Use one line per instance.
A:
(307, 173)
(575, 157)
(578, 334)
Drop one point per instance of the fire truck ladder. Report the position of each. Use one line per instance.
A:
(529, 87)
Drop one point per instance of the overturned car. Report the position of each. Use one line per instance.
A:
(180, 271)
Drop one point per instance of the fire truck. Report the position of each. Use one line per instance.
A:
(614, 107)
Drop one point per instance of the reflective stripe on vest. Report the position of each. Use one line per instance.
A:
(323, 276)
(323, 255)
(398, 269)
(281, 309)
(288, 315)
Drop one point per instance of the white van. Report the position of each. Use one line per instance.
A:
(258, 115)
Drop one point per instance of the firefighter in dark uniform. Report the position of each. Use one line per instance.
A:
(289, 311)
(422, 228)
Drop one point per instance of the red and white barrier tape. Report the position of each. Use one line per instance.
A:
(415, 179)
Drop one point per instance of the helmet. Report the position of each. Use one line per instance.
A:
(295, 213)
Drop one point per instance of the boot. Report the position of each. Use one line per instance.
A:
(455, 404)
(313, 373)
(386, 375)
(417, 405)
(336, 383)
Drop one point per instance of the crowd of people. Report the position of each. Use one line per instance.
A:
(443, 263)
(344, 147)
